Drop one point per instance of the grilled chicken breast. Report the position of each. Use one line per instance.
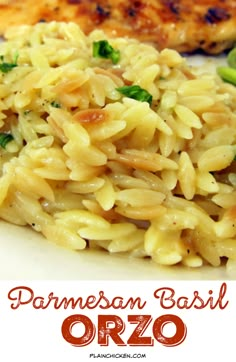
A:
(183, 25)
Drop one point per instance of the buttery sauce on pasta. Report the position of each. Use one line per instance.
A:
(129, 149)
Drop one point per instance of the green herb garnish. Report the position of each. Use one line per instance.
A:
(55, 104)
(6, 67)
(228, 74)
(4, 139)
(102, 49)
(135, 92)
(231, 58)
(26, 112)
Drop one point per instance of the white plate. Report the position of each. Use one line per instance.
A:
(24, 254)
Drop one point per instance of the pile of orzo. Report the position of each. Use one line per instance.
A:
(108, 143)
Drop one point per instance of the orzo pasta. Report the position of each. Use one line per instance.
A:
(130, 153)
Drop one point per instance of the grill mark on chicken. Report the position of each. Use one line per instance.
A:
(209, 25)
(214, 15)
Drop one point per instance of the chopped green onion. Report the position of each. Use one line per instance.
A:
(227, 74)
(135, 92)
(7, 67)
(55, 104)
(102, 49)
(231, 58)
(4, 139)
(27, 111)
